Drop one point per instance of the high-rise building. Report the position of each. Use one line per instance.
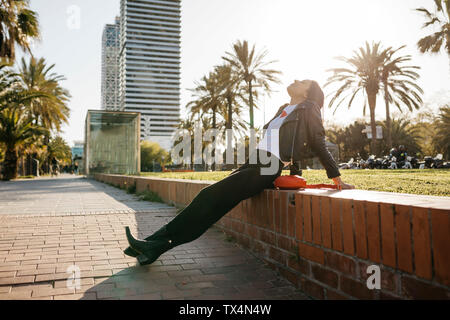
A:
(150, 65)
(110, 66)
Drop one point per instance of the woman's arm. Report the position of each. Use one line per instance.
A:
(341, 185)
(316, 133)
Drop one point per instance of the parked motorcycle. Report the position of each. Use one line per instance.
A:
(351, 164)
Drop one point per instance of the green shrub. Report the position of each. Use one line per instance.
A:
(131, 189)
(150, 196)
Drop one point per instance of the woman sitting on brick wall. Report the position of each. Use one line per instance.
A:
(295, 133)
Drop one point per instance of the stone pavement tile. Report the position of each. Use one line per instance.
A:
(46, 292)
(77, 296)
(7, 274)
(148, 296)
(20, 295)
(5, 289)
(181, 294)
(194, 285)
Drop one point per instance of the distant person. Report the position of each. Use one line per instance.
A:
(214, 201)
(54, 169)
(76, 168)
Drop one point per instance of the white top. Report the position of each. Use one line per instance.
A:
(270, 141)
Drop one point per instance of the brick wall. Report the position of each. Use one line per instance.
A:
(324, 241)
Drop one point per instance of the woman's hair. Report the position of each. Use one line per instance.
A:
(315, 93)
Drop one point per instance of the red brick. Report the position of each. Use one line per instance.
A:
(333, 295)
(267, 236)
(388, 296)
(440, 221)
(259, 247)
(387, 234)
(356, 289)
(290, 276)
(237, 226)
(252, 231)
(251, 213)
(404, 240)
(276, 209)
(341, 263)
(422, 247)
(311, 288)
(283, 212)
(300, 265)
(307, 219)
(311, 253)
(299, 216)
(336, 227)
(347, 226)
(243, 240)
(360, 228)
(265, 216)
(270, 212)
(286, 243)
(326, 221)
(257, 202)
(325, 276)
(416, 289)
(277, 255)
(291, 221)
(315, 209)
(373, 232)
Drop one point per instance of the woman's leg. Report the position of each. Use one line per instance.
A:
(211, 204)
(216, 200)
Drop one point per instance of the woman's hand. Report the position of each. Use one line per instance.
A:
(341, 185)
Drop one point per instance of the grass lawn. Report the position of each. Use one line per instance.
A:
(424, 182)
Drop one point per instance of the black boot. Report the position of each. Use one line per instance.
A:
(148, 251)
(161, 233)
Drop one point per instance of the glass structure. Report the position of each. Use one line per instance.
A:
(112, 142)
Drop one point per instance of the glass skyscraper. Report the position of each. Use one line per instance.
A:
(110, 66)
(150, 65)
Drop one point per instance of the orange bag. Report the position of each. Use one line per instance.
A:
(298, 182)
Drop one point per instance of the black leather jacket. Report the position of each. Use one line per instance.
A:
(302, 136)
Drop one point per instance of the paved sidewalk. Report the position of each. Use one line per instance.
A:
(47, 226)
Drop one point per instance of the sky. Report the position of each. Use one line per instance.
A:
(303, 37)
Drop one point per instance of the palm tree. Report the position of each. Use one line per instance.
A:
(250, 68)
(233, 95)
(16, 129)
(18, 25)
(399, 86)
(403, 133)
(442, 138)
(434, 42)
(12, 92)
(50, 111)
(369, 69)
(362, 76)
(207, 94)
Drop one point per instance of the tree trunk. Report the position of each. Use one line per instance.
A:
(230, 114)
(372, 103)
(388, 120)
(10, 164)
(250, 92)
(213, 167)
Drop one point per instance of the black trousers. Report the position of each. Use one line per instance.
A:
(216, 200)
